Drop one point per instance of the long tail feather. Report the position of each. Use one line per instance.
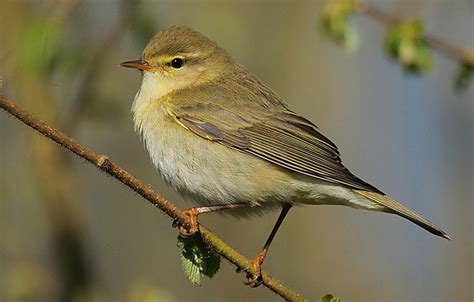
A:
(403, 211)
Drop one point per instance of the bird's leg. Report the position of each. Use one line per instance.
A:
(254, 280)
(193, 226)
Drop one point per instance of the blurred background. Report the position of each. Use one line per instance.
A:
(70, 233)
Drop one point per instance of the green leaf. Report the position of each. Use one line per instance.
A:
(212, 265)
(464, 75)
(329, 298)
(405, 42)
(423, 59)
(191, 268)
(197, 258)
(335, 25)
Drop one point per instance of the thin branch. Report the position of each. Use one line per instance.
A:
(442, 46)
(105, 164)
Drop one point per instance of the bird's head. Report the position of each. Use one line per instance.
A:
(178, 57)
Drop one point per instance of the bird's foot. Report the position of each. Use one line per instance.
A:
(189, 228)
(255, 279)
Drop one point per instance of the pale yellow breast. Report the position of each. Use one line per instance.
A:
(202, 169)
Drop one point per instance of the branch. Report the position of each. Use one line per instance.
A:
(105, 164)
(442, 46)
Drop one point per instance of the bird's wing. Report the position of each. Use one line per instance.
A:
(277, 135)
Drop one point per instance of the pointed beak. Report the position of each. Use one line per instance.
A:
(137, 64)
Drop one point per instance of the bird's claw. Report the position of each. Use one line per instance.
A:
(175, 223)
(255, 279)
(189, 228)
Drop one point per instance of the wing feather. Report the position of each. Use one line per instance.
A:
(282, 138)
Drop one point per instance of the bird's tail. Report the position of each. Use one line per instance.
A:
(397, 208)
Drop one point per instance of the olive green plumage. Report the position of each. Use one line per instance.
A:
(219, 135)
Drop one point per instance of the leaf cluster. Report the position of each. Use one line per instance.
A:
(406, 40)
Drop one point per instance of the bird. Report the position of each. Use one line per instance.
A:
(226, 141)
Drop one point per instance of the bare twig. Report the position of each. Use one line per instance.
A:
(439, 44)
(105, 164)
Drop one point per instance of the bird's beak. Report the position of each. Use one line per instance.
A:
(137, 64)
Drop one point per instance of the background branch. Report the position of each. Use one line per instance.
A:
(442, 46)
(105, 164)
(406, 39)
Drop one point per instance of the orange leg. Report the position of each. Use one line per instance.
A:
(254, 280)
(193, 227)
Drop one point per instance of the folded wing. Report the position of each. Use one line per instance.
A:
(279, 136)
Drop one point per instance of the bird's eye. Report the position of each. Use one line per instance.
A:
(177, 63)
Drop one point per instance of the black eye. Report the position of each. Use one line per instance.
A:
(177, 63)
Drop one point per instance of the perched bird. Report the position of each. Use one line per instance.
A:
(225, 140)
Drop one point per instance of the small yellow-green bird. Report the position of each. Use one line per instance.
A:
(225, 140)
